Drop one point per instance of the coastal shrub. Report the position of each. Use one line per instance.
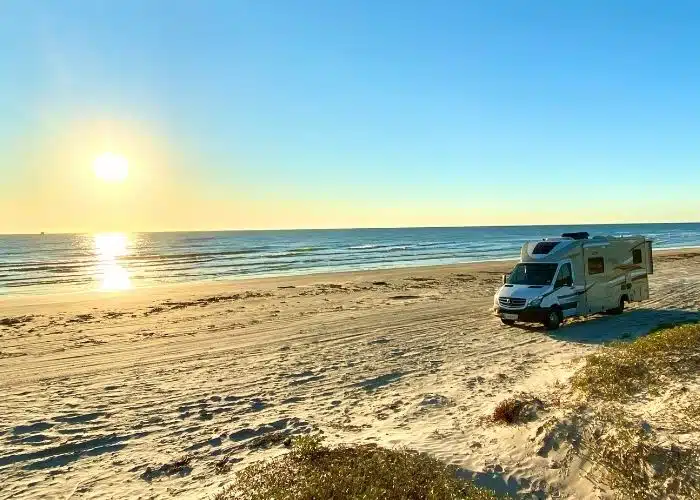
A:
(635, 463)
(624, 369)
(311, 471)
(627, 453)
(690, 416)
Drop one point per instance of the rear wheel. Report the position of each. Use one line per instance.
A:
(554, 319)
(509, 322)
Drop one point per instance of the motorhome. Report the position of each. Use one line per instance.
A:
(575, 275)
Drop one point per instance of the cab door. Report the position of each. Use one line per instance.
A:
(567, 296)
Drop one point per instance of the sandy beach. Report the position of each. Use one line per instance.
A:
(101, 391)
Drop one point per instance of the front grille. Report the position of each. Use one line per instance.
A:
(511, 302)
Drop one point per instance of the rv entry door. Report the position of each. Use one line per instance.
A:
(597, 290)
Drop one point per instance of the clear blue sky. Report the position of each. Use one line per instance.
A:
(467, 111)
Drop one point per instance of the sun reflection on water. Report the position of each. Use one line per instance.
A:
(109, 247)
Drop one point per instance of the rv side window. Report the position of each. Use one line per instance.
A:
(596, 265)
(637, 256)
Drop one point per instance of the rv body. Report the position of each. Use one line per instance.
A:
(575, 275)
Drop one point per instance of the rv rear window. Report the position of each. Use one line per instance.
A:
(544, 247)
(636, 256)
(596, 265)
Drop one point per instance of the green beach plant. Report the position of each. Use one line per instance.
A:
(312, 471)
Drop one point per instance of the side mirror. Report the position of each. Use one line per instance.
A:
(505, 278)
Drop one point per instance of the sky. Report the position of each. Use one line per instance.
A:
(257, 114)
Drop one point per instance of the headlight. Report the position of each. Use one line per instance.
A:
(536, 302)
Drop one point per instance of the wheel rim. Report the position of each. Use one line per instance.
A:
(553, 318)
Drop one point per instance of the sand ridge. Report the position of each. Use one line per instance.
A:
(162, 392)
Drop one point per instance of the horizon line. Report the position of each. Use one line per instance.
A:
(44, 233)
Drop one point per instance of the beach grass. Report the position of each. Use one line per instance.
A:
(634, 462)
(633, 458)
(621, 370)
(312, 471)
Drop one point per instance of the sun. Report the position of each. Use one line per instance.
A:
(111, 167)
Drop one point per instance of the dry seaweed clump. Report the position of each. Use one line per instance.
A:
(624, 369)
(517, 410)
(315, 472)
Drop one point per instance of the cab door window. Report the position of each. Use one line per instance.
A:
(564, 278)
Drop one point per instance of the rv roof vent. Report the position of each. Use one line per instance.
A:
(544, 247)
(576, 236)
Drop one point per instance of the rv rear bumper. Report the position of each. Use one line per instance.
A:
(527, 315)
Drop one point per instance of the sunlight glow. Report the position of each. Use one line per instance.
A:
(111, 167)
(109, 247)
(115, 278)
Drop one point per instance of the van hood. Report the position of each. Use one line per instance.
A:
(522, 291)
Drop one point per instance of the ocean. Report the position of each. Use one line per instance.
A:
(58, 263)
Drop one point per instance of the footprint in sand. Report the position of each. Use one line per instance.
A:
(292, 400)
(78, 419)
(60, 455)
(377, 382)
(30, 428)
(431, 401)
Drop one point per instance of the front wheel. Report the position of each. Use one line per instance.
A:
(554, 319)
(509, 322)
(620, 308)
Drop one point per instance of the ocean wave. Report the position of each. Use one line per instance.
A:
(67, 269)
(292, 252)
(304, 250)
(24, 265)
(365, 247)
(189, 255)
(29, 282)
(47, 268)
(384, 247)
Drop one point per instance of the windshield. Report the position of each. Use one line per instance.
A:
(532, 274)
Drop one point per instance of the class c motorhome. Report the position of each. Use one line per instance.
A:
(575, 275)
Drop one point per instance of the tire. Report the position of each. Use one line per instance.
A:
(620, 308)
(509, 322)
(554, 319)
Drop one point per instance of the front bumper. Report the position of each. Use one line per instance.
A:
(527, 315)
